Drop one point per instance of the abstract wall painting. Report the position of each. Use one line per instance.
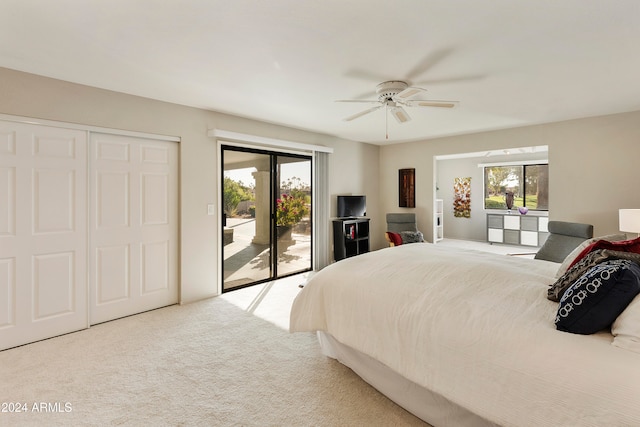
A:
(462, 197)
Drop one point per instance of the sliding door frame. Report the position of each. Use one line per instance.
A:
(274, 187)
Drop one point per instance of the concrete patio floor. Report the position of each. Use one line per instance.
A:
(246, 262)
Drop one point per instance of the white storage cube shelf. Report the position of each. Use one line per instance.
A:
(517, 229)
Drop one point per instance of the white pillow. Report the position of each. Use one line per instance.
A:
(626, 328)
(574, 253)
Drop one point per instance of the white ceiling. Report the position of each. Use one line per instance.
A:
(509, 62)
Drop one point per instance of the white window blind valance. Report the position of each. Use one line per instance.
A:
(515, 163)
(267, 142)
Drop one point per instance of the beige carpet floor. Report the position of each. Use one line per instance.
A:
(226, 361)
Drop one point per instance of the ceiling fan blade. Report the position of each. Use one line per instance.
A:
(445, 80)
(431, 103)
(363, 101)
(399, 114)
(428, 62)
(365, 75)
(362, 113)
(408, 93)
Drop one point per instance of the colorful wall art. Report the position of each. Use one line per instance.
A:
(462, 197)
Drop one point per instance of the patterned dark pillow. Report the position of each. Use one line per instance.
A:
(411, 236)
(598, 297)
(555, 292)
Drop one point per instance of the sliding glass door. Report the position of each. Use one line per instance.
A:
(266, 199)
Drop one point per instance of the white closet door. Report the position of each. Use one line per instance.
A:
(133, 226)
(43, 232)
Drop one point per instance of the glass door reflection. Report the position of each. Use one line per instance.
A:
(293, 215)
(246, 193)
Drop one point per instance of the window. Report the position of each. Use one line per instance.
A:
(528, 185)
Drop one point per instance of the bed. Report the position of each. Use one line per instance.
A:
(462, 337)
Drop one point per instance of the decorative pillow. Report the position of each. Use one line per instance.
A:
(411, 236)
(555, 292)
(395, 238)
(623, 246)
(626, 328)
(569, 260)
(598, 297)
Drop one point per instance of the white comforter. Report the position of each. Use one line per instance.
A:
(476, 328)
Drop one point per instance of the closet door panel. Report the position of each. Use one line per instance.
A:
(134, 226)
(112, 274)
(43, 232)
(7, 293)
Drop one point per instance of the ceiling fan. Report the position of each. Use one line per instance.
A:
(394, 95)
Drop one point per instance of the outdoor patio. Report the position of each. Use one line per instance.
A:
(246, 262)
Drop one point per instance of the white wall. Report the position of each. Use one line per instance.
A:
(363, 158)
(461, 228)
(353, 166)
(592, 167)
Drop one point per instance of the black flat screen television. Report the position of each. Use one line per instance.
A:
(352, 206)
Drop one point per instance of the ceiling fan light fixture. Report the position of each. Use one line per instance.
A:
(400, 115)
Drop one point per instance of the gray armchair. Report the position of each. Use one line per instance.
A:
(399, 222)
(563, 238)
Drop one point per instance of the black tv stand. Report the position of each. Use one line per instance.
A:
(350, 237)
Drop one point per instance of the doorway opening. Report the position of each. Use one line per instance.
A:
(266, 202)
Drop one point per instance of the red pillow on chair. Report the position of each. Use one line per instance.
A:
(395, 238)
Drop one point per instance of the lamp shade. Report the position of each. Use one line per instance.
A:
(629, 220)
